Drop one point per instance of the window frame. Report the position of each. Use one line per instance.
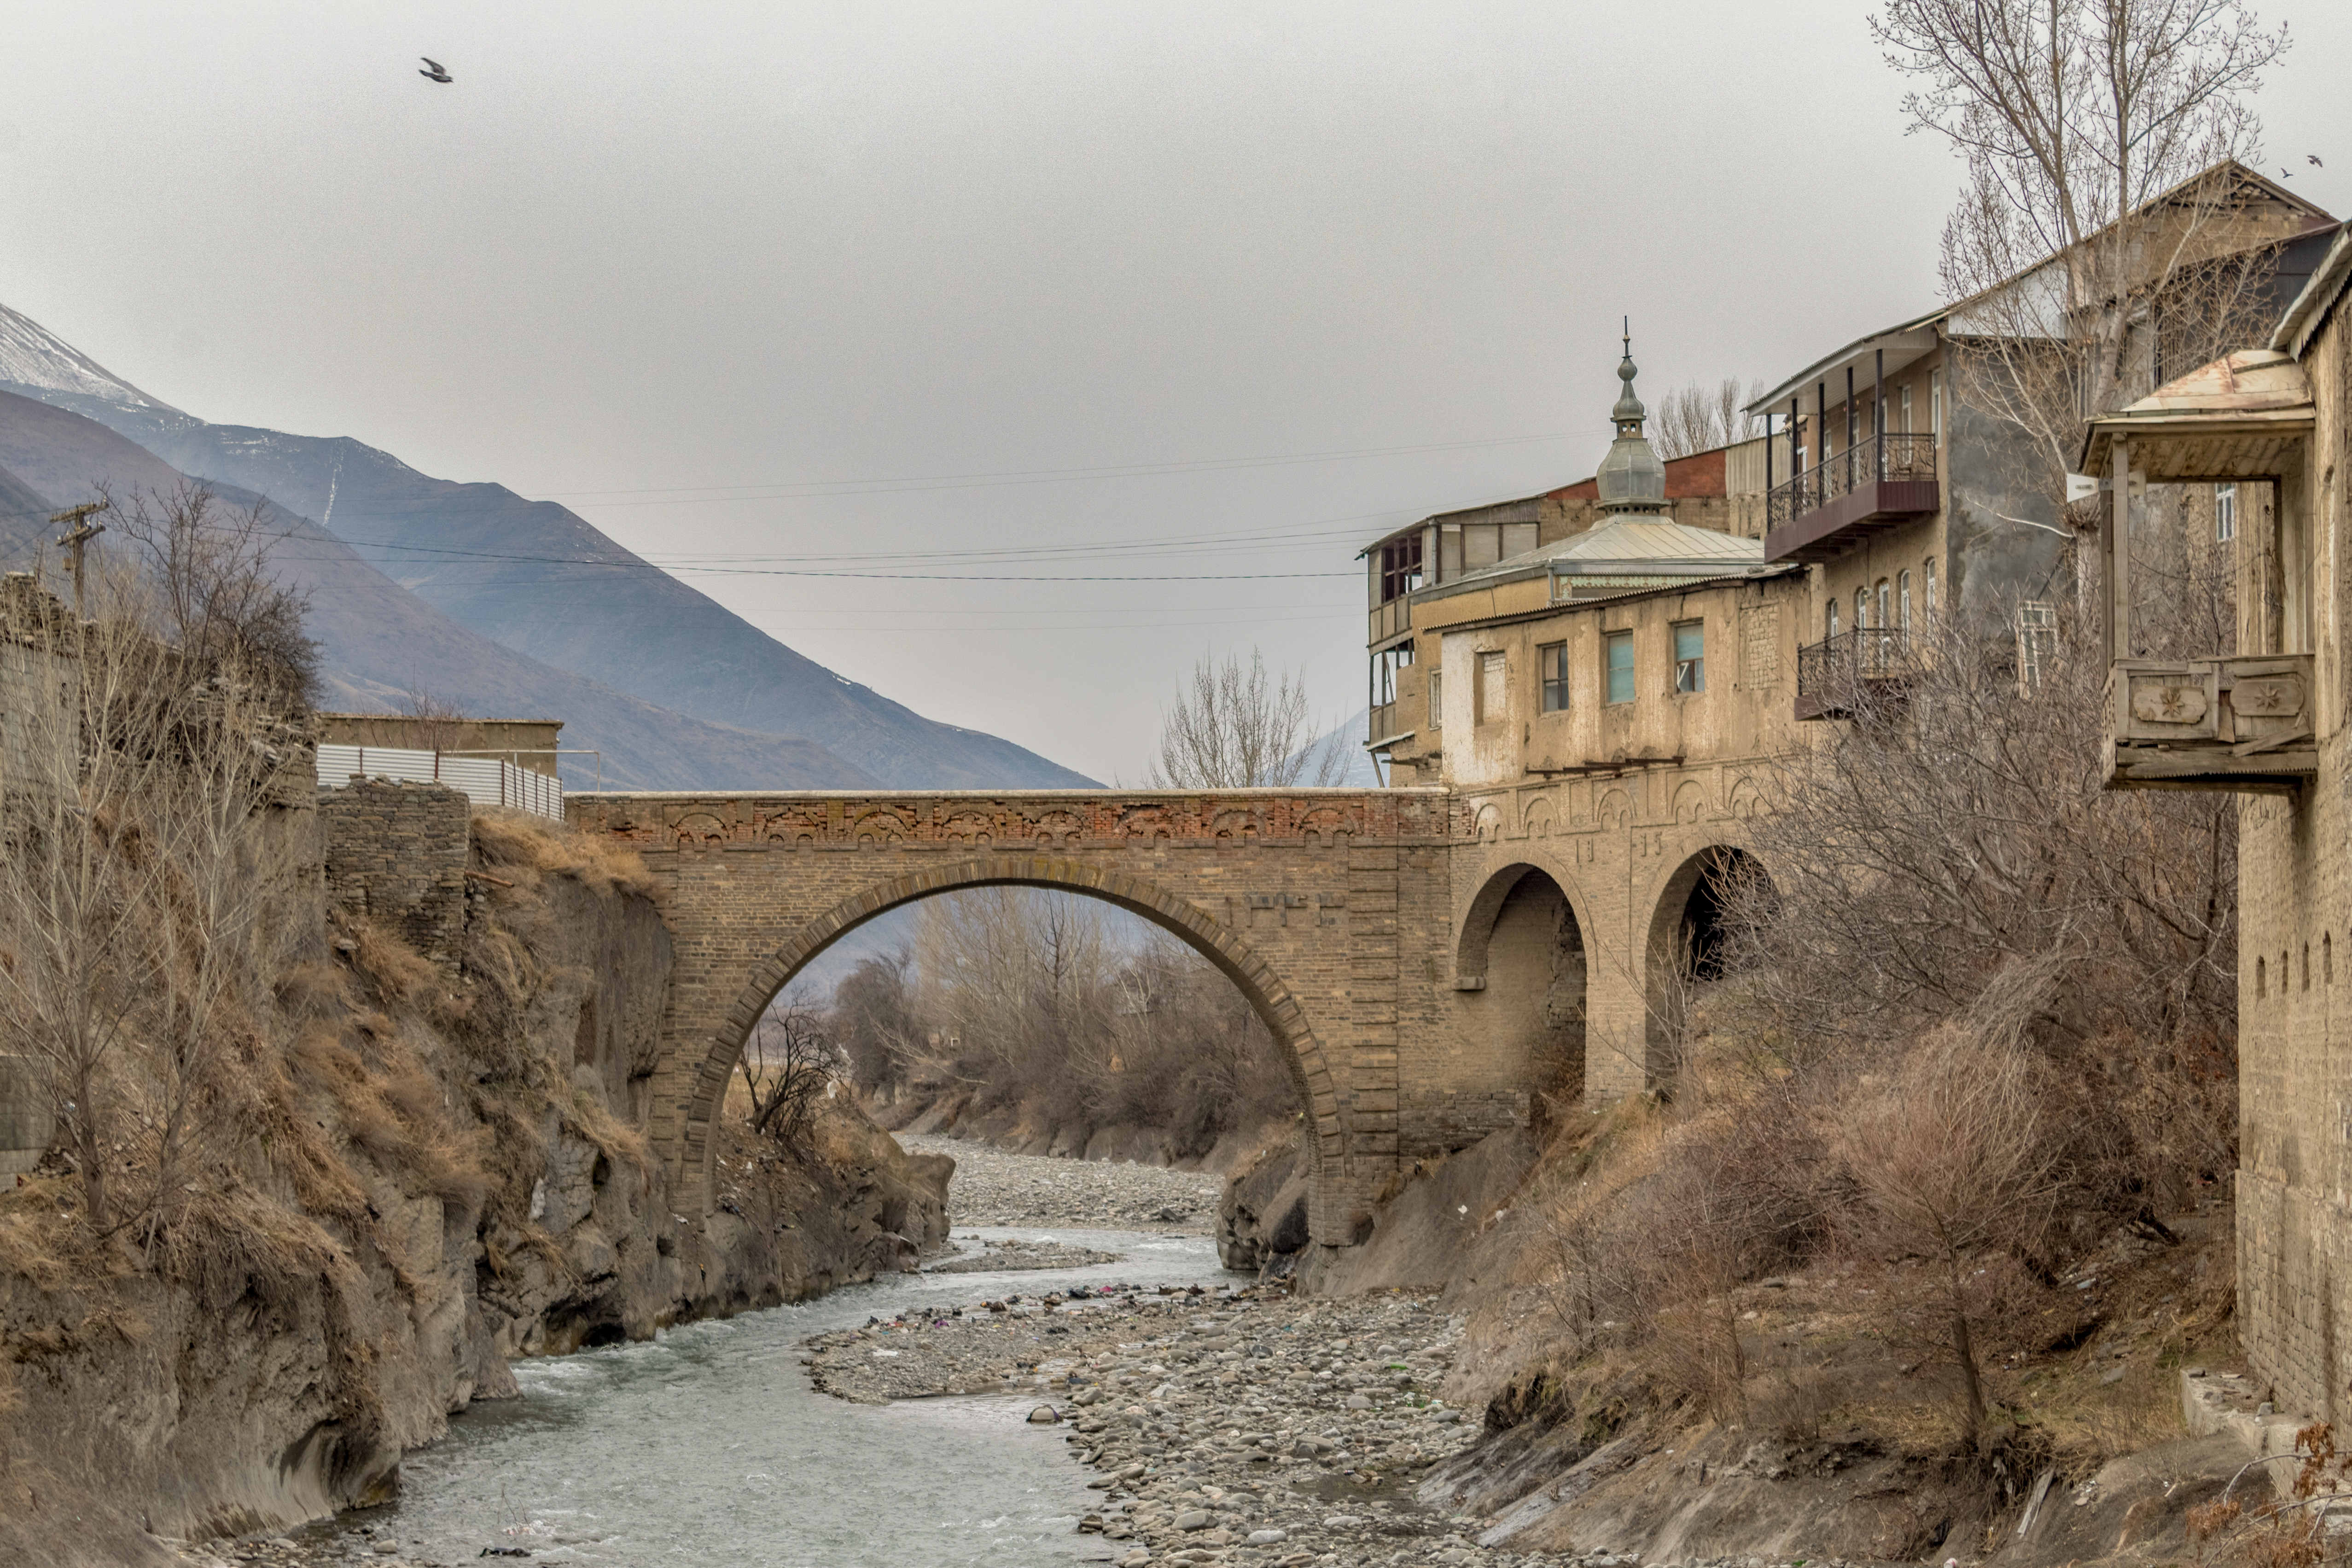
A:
(1552, 678)
(1903, 598)
(1437, 700)
(1935, 403)
(1490, 685)
(1927, 597)
(1609, 643)
(1690, 673)
(2225, 512)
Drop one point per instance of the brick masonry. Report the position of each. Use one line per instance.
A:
(1339, 913)
(397, 853)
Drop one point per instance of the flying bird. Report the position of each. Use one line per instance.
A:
(435, 73)
(2312, 159)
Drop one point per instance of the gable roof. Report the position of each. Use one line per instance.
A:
(2325, 288)
(2257, 398)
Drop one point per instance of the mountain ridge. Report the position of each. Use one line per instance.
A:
(538, 579)
(379, 643)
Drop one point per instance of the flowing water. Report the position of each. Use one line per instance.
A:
(709, 1446)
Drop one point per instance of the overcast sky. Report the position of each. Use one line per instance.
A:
(880, 289)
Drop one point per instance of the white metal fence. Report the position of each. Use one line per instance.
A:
(486, 780)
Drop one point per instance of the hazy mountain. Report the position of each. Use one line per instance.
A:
(538, 578)
(380, 642)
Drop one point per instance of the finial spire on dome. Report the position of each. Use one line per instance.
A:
(1629, 411)
(1631, 481)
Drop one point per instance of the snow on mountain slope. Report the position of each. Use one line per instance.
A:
(31, 356)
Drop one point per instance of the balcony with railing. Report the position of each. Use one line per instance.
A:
(1839, 674)
(1875, 483)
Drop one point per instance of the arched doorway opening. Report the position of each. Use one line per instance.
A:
(1522, 969)
(1690, 949)
(1225, 949)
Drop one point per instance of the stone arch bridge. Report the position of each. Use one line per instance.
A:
(1361, 925)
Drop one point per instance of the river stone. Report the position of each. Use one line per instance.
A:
(1266, 1537)
(1192, 1518)
(1358, 1402)
(1043, 1416)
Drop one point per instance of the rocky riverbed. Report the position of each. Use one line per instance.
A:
(992, 1187)
(1231, 1425)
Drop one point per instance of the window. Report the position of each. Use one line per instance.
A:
(1902, 600)
(1862, 609)
(1935, 403)
(1831, 624)
(1621, 666)
(1399, 568)
(1885, 606)
(1492, 695)
(1928, 584)
(1906, 407)
(1551, 667)
(1690, 656)
(2225, 513)
(1437, 700)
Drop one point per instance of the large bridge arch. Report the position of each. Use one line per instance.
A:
(1233, 957)
(1317, 903)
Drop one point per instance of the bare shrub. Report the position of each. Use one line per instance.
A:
(875, 1021)
(1955, 834)
(1052, 1004)
(788, 1062)
(1956, 1162)
(599, 862)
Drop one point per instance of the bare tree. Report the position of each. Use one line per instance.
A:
(875, 1021)
(133, 900)
(1697, 418)
(436, 721)
(1241, 729)
(2086, 247)
(788, 1062)
(216, 594)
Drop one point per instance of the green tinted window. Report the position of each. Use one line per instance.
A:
(1690, 657)
(1621, 666)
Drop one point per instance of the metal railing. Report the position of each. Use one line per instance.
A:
(486, 780)
(1835, 667)
(1897, 455)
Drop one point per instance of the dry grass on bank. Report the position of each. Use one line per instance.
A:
(1679, 1271)
(510, 841)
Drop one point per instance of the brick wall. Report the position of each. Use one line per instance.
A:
(1320, 904)
(397, 853)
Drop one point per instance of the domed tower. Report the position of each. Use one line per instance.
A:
(1631, 481)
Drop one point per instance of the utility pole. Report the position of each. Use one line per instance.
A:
(78, 540)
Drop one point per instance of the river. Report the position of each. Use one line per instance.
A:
(707, 1445)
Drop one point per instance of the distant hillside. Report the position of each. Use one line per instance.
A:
(508, 568)
(380, 641)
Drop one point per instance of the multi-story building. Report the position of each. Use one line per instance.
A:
(1596, 673)
(2266, 719)
(1914, 487)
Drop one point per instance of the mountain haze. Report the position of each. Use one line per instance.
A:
(379, 642)
(538, 578)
